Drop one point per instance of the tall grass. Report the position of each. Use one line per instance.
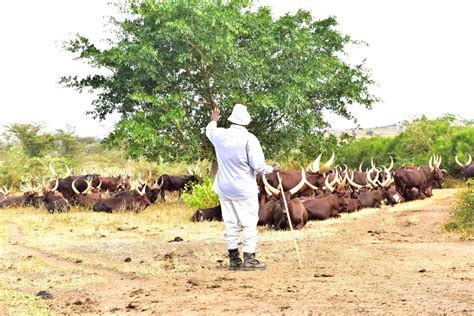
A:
(462, 214)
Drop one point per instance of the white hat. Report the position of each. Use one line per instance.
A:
(240, 115)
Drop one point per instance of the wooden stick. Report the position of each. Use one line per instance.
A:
(282, 192)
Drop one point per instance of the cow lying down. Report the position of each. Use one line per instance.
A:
(207, 214)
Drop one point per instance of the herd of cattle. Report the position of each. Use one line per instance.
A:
(317, 193)
(321, 192)
(96, 192)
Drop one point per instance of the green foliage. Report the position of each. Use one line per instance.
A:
(462, 215)
(414, 146)
(202, 195)
(17, 165)
(37, 143)
(173, 61)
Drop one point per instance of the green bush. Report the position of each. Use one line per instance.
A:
(420, 139)
(202, 195)
(462, 215)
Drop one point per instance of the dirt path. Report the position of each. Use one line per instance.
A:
(394, 260)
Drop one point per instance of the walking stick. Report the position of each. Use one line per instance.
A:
(289, 219)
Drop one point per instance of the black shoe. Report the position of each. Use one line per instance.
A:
(250, 263)
(234, 259)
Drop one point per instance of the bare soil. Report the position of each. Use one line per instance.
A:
(392, 260)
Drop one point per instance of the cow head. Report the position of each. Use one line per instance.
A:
(198, 216)
(465, 168)
(438, 176)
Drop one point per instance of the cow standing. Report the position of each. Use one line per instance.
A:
(176, 183)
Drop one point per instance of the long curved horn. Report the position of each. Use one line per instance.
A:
(269, 186)
(68, 172)
(55, 186)
(316, 164)
(51, 169)
(430, 164)
(89, 187)
(140, 179)
(161, 183)
(360, 166)
(100, 183)
(387, 181)
(457, 161)
(267, 191)
(391, 164)
(301, 184)
(469, 160)
(438, 161)
(328, 185)
(73, 185)
(190, 171)
(37, 188)
(310, 168)
(138, 190)
(351, 182)
(372, 163)
(23, 189)
(328, 164)
(370, 181)
(309, 184)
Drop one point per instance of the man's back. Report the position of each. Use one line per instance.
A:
(235, 177)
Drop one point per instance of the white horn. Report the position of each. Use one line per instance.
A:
(391, 164)
(469, 160)
(316, 164)
(68, 172)
(457, 161)
(269, 186)
(360, 166)
(351, 182)
(301, 184)
(430, 164)
(328, 164)
(51, 169)
(74, 187)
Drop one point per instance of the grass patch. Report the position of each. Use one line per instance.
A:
(18, 303)
(462, 215)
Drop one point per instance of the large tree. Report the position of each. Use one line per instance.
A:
(171, 61)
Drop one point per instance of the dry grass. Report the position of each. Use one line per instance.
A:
(18, 303)
(104, 241)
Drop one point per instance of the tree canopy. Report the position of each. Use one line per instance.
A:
(170, 62)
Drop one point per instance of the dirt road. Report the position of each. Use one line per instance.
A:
(389, 260)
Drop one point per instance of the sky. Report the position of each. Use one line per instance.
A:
(420, 54)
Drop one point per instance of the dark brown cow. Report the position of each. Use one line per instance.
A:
(370, 198)
(4, 192)
(133, 200)
(176, 183)
(207, 214)
(30, 197)
(296, 209)
(323, 208)
(466, 169)
(351, 205)
(87, 198)
(55, 202)
(405, 179)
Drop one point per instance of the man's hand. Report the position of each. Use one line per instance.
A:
(276, 167)
(216, 115)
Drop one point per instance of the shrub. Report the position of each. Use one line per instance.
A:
(202, 195)
(462, 215)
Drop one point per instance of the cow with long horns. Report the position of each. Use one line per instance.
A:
(132, 200)
(467, 169)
